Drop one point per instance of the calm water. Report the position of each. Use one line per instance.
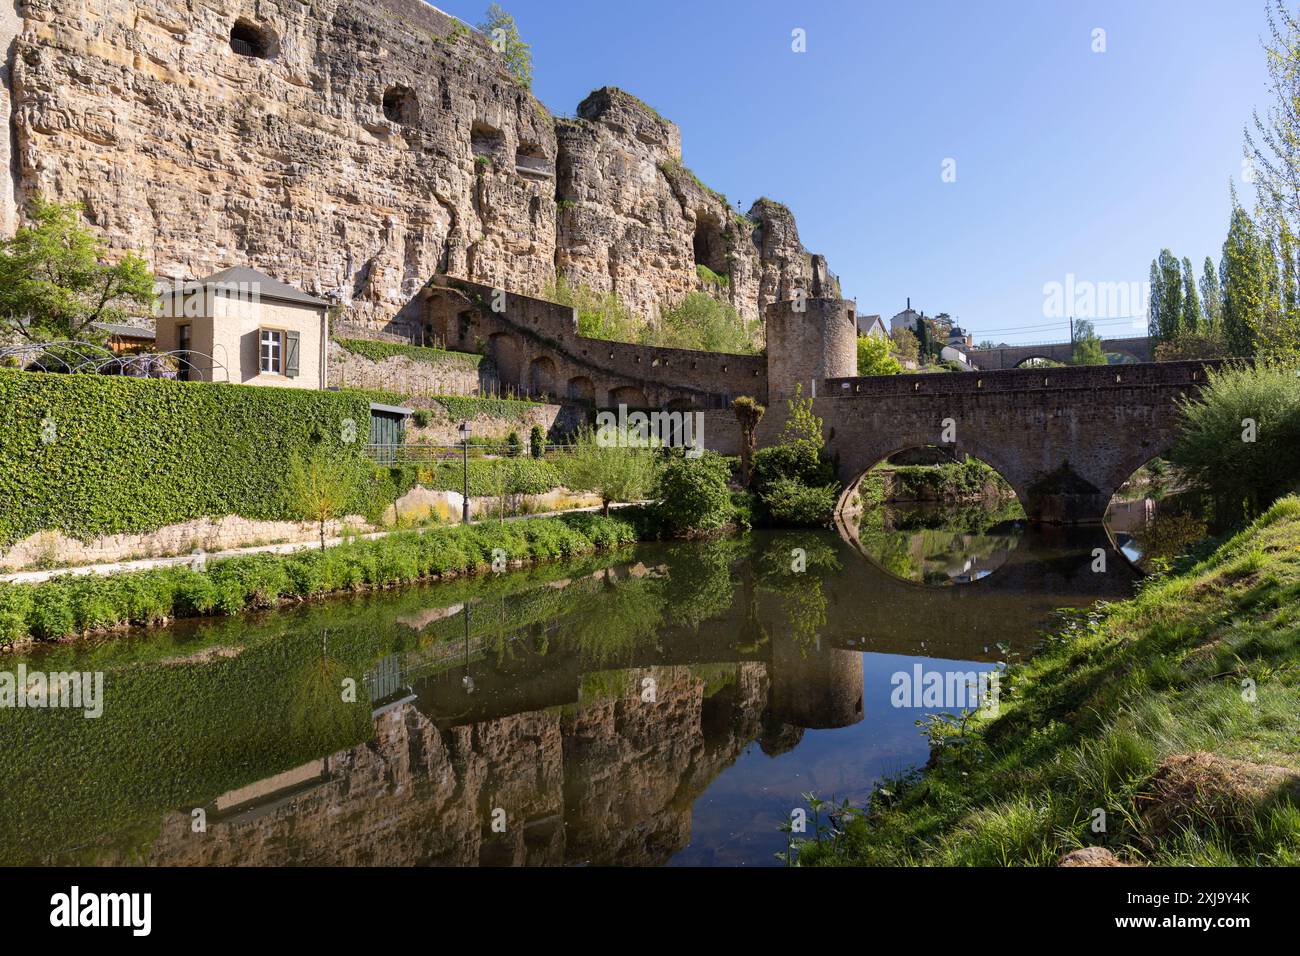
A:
(668, 704)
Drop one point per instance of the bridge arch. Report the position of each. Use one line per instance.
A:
(986, 452)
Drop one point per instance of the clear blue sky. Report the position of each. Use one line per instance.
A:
(1067, 161)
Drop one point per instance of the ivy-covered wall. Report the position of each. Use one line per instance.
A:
(91, 455)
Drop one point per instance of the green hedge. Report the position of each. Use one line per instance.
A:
(71, 605)
(133, 455)
(378, 351)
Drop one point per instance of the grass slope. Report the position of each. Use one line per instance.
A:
(1177, 713)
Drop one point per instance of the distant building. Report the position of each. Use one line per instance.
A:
(872, 325)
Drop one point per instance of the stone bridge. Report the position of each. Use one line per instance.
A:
(1064, 438)
(1012, 356)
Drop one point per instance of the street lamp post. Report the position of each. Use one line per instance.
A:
(464, 445)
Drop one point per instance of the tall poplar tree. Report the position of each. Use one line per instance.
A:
(1211, 297)
(1244, 274)
(1191, 318)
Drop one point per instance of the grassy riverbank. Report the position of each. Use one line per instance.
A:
(76, 605)
(1176, 714)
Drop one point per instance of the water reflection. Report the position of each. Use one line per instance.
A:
(667, 704)
(939, 545)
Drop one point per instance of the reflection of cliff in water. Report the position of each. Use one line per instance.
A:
(594, 771)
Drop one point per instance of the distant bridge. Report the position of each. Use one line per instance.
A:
(1137, 348)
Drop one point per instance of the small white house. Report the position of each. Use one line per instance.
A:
(240, 325)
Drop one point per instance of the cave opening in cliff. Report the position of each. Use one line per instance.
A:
(401, 105)
(250, 40)
(484, 140)
(709, 244)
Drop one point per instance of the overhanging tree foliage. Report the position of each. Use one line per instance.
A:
(55, 283)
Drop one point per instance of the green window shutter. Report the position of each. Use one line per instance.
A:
(291, 354)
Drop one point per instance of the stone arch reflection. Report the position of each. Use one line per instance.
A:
(934, 516)
(1154, 515)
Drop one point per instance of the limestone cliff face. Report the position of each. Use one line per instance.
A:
(359, 148)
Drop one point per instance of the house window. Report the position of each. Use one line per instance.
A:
(272, 351)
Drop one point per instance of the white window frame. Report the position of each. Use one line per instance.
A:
(270, 350)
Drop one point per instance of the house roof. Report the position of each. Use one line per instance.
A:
(125, 331)
(266, 287)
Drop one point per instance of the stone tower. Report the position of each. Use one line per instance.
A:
(809, 340)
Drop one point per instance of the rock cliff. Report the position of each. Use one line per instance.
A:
(359, 148)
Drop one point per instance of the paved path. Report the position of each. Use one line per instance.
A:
(144, 564)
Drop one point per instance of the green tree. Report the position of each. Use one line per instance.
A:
(501, 29)
(1244, 277)
(321, 486)
(55, 283)
(1191, 319)
(1168, 273)
(874, 357)
(616, 465)
(1087, 346)
(1273, 149)
(905, 344)
(1211, 297)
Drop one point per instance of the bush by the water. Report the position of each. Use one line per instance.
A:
(70, 605)
(791, 502)
(694, 493)
(1239, 438)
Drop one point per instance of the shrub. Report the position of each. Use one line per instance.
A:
(512, 444)
(536, 441)
(874, 356)
(799, 462)
(1243, 476)
(694, 493)
(700, 321)
(791, 502)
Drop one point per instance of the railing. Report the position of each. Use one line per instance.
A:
(534, 165)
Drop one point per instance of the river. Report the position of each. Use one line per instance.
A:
(668, 704)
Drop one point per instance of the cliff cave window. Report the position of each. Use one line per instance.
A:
(248, 39)
(710, 244)
(401, 105)
(531, 162)
(484, 140)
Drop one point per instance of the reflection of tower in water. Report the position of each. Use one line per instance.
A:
(815, 688)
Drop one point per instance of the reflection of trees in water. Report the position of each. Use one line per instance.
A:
(803, 599)
(317, 707)
(940, 544)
